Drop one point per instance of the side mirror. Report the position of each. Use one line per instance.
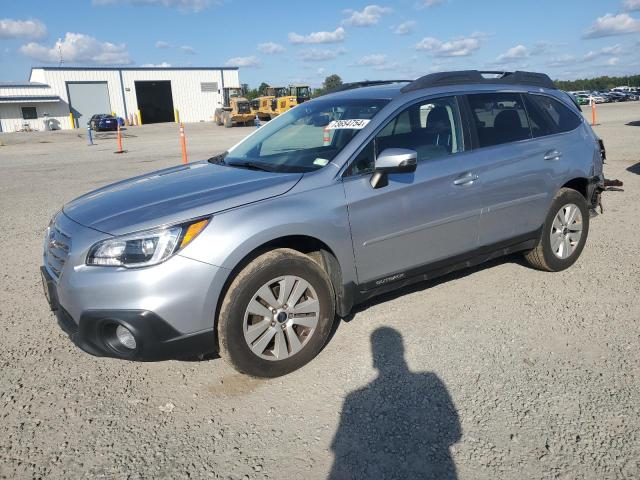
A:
(393, 160)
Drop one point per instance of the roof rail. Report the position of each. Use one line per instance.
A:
(364, 83)
(462, 77)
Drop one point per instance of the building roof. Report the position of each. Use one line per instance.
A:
(23, 85)
(130, 68)
(31, 99)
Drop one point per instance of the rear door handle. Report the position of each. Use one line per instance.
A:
(553, 155)
(466, 179)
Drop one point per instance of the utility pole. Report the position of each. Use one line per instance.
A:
(60, 51)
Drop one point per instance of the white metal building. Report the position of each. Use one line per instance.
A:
(152, 94)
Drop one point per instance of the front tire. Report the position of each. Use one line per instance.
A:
(228, 123)
(276, 315)
(564, 233)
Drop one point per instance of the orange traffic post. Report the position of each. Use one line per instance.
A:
(593, 112)
(326, 138)
(119, 141)
(183, 144)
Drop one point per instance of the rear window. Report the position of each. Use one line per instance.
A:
(550, 116)
(499, 118)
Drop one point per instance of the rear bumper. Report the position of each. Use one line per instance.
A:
(155, 338)
(594, 192)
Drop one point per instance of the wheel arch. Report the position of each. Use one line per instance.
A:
(579, 184)
(314, 248)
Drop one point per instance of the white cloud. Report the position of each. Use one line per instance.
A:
(247, 62)
(513, 54)
(561, 60)
(160, 44)
(404, 28)
(613, 61)
(457, 47)
(631, 5)
(611, 24)
(316, 55)
(187, 49)
(32, 29)
(378, 62)
(185, 5)
(590, 55)
(428, 3)
(370, 15)
(541, 48)
(372, 60)
(321, 71)
(388, 66)
(79, 48)
(318, 37)
(612, 50)
(156, 65)
(270, 48)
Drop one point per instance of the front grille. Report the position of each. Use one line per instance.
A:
(56, 250)
(244, 107)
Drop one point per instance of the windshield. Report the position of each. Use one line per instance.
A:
(302, 92)
(305, 138)
(281, 91)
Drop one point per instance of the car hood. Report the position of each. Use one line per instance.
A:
(173, 195)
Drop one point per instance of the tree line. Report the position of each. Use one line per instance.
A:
(598, 83)
(329, 83)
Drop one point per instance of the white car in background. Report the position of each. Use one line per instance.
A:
(589, 97)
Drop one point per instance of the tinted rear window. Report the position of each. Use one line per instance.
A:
(499, 118)
(549, 116)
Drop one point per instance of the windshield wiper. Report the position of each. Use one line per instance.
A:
(249, 165)
(218, 159)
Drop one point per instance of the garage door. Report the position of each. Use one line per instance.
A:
(155, 101)
(88, 98)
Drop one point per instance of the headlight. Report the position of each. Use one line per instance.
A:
(146, 248)
(47, 232)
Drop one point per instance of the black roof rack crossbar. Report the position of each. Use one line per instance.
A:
(364, 83)
(463, 77)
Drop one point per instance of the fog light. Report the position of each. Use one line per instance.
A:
(125, 337)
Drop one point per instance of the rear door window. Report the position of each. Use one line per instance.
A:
(552, 115)
(499, 118)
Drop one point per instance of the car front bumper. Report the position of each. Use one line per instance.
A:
(169, 308)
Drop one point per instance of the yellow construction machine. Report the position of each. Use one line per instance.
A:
(269, 100)
(301, 92)
(235, 109)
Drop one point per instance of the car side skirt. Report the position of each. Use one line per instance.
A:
(433, 270)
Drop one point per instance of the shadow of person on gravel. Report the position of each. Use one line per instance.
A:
(400, 425)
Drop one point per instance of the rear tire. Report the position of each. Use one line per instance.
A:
(276, 315)
(564, 233)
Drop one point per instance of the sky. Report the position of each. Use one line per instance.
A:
(280, 42)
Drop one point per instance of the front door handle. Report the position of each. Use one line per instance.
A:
(466, 179)
(553, 155)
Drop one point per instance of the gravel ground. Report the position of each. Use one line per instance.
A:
(506, 372)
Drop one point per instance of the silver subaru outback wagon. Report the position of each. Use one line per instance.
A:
(256, 251)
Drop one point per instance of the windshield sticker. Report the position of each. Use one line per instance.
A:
(355, 124)
(320, 161)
